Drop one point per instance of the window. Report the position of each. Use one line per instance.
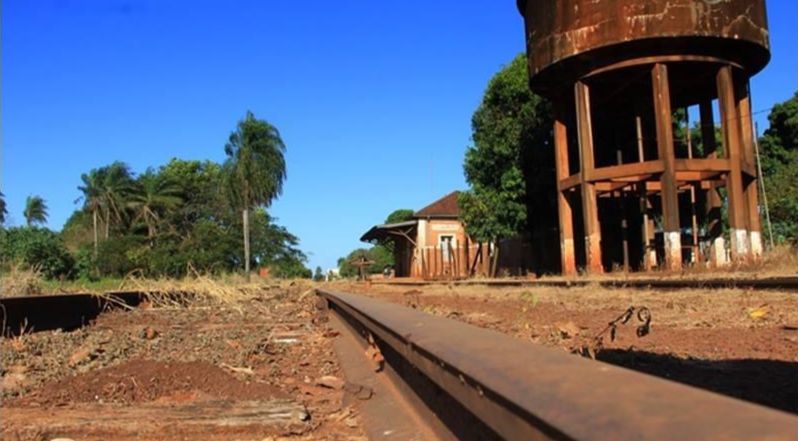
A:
(446, 243)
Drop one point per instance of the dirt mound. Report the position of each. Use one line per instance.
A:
(139, 381)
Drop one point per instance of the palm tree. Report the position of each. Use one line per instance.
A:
(35, 210)
(3, 211)
(92, 198)
(255, 169)
(105, 190)
(153, 196)
(116, 187)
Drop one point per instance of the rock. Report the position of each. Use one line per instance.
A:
(359, 391)
(331, 382)
(150, 333)
(18, 369)
(14, 382)
(375, 356)
(351, 422)
(82, 354)
(568, 329)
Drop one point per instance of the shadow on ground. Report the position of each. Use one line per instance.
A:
(767, 382)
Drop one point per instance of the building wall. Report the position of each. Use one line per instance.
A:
(430, 260)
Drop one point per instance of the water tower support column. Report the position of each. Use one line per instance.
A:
(586, 166)
(670, 199)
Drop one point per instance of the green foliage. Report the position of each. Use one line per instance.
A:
(779, 151)
(781, 138)
(400, 215)
(510, 167)
(176, 217)
(782, 187)
(35, 211)
(106, 191)
(37, 248)
(379, 255)
(255, 162)
(153, 195)
(318, 275)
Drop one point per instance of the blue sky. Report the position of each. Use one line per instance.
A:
(373, 99)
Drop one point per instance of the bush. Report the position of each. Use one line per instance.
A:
(36, 248)
(115, 257)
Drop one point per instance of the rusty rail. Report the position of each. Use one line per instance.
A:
(480, 384)
(59, 311)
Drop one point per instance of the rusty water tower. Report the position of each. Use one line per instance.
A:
(615, 72)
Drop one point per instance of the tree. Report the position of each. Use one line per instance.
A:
(153, 196)
(35, 210)
(92, 199)
(116, 187)
(380, 257)
(255, 169)
(781, 137)
(36, 248)
(318, 275)
(779, 152)
(510, 165)
(3, 210)
(400, 215)
(105, 191)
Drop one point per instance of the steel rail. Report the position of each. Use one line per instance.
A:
(26, 314)
(521, 391)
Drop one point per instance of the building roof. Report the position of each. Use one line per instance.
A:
(445, 207)
(380, 232)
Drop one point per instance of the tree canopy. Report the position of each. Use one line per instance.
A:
(161, 223)
(35, 211)
(779, 152)
(510, 165)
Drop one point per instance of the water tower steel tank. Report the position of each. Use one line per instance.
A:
(616, 71)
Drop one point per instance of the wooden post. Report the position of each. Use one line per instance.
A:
(587, 164)
(730, 125)
(693, 214)
(749, 157)
(566, 217)
(714, 205)
(624, 220)
(670, 199)
(649, 252)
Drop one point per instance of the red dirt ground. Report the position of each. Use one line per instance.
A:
(246, 370)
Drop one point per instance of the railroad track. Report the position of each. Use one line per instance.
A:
(60, 311)
(770, 283)
(443, 379)
(469, 383)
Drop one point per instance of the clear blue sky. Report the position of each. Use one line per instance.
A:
(373, 98)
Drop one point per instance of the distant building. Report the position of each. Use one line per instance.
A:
(433, 244)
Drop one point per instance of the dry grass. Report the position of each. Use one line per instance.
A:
(204, 290)
(778, 262)
(21, 281)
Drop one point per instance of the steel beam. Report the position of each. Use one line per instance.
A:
(483, 384)
(730, 126)
(669, 194)
(749, 159)
(587, 164)
(714, 203)
(567, 257)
